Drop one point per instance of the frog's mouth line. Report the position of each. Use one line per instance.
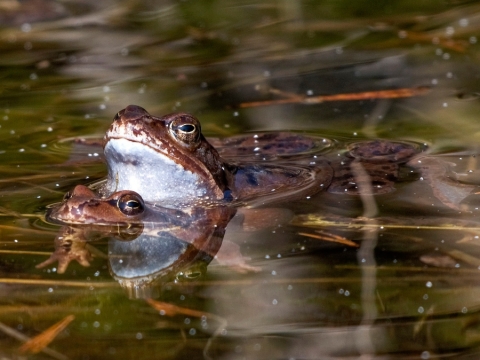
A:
(143, 139)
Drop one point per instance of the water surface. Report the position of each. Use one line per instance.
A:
(409, 290)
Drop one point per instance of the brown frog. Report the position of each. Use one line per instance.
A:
(83, 206)
(167, 159)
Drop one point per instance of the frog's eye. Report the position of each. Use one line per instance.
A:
(186, 129)
(131, 204)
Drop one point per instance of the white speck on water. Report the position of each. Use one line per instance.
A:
(26, 27)
(428, 284)
(463, 22)
(425, 355)
(421, 309)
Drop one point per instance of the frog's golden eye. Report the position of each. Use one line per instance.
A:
(186, 129)
(131, 204)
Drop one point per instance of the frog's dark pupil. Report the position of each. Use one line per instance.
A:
(187, 128)
(130, 206)
(133, 204)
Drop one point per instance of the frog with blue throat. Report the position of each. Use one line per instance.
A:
(167, 159)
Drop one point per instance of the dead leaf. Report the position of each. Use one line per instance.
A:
(39, 342)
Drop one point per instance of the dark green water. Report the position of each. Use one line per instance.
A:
(410, 291)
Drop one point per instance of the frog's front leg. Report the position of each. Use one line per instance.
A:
(68, 247)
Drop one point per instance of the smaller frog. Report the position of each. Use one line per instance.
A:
(83, 206)
(167, 241)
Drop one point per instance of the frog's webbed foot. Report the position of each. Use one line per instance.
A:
(229, 255)
(67, 252)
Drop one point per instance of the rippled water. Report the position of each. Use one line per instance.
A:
(393, 276)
